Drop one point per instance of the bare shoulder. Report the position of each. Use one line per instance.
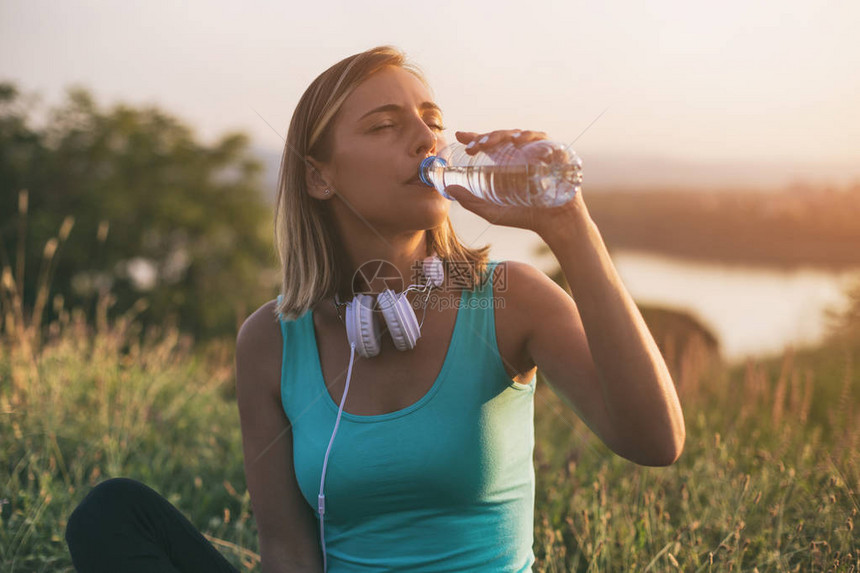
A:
(259, 346)
(533, 303)
(521, 285)
(517, 270)
(517, 286)
(261, 331)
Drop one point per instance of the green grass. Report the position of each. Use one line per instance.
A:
(92, 404)
(768, 480)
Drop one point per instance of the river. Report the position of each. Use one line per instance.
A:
(753, 311)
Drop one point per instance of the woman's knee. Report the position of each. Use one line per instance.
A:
(118, 492)
(104, 505)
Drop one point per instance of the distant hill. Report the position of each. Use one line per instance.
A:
(695, 211)
(790, 228)
(634, 173)
(644, 173)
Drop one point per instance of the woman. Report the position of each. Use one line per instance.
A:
(427, 466)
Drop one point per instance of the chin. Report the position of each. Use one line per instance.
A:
(428, 216)
(440, 214)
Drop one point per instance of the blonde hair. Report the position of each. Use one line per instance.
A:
(311, 252)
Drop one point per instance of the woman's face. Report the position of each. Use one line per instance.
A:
(382, 132)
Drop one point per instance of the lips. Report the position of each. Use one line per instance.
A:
(414, 180)
(416, 177)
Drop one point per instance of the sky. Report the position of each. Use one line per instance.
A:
(738, 81)
(665, 92)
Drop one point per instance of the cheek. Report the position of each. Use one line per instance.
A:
(361, 172)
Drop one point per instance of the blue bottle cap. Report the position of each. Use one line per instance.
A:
(426, 165)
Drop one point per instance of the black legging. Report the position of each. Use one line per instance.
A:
(124, 525)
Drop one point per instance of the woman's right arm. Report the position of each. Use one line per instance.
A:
(286, 524)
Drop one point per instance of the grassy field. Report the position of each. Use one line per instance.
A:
(768, 481)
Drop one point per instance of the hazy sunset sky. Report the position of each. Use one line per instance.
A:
(737, 93)
(731, 80)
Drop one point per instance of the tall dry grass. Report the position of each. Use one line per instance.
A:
(768, 481)
(88, 398)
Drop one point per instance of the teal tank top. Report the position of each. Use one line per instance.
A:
(446, 484)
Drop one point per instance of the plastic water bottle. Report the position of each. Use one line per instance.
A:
(540, 173)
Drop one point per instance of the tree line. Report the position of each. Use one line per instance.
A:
(152, 214)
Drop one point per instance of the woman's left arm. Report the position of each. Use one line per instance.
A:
(594, 348)
(641, 404)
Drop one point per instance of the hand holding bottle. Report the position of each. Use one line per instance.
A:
(487, 142)
(523, 180)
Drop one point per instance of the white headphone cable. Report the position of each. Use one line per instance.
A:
(321, 496)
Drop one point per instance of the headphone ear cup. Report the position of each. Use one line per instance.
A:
(400, 318)
(362, 327)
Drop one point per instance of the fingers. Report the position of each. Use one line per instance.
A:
(466, 136)
(476, 142)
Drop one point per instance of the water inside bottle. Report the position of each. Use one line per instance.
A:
(544, 185)
(540, 173)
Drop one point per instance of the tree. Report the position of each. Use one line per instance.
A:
(157, 214)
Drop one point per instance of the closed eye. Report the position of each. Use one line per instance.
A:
(432, 126)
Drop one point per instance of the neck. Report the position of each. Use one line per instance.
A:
(376, 264)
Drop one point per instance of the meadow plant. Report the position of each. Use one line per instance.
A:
(768, 480)
(84, 399)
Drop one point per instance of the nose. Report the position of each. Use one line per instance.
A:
(425, 142)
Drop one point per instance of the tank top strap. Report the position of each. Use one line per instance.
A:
(488, 286)
(480, 343)
(297, 363)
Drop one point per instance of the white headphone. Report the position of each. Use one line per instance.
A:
(362, 328)
(364, 335)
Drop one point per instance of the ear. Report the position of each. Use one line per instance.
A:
(316, 180)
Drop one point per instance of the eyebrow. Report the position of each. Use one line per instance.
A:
(395, 107)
